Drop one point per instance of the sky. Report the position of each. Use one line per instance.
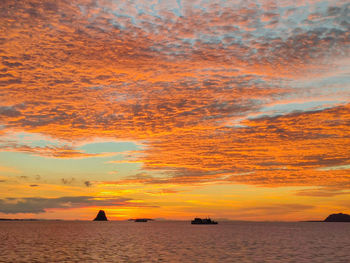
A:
(174, 109)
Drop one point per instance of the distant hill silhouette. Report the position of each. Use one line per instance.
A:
(338, 218)
(140, 219)
(101, 216)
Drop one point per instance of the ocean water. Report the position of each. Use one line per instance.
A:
(74, 241)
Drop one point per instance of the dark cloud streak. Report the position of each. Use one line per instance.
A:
(37, 205)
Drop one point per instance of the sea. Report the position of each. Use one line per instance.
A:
(173, 241)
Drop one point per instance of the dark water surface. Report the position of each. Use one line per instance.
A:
(69, 241)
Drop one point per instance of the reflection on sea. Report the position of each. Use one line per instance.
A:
(67, 241)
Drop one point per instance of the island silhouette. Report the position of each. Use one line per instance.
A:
(340, 217)
(101, 216)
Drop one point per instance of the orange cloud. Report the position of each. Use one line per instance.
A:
(272, 151)
(74, 70)
(52, 151)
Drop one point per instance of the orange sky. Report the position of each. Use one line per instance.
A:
(174, 109)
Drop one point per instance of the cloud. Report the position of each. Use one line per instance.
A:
(179, 176)
(35, 205)
(161, 82)
(266, 151)
(162, 192)
(9, 111)
(88, 183)
(64, 151)
(321, 192)
(273, 209)
(174, 77)
(67, 180)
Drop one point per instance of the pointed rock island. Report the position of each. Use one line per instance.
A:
(338, 218)
(101, 216)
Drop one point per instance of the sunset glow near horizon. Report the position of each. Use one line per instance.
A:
(174, 109)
